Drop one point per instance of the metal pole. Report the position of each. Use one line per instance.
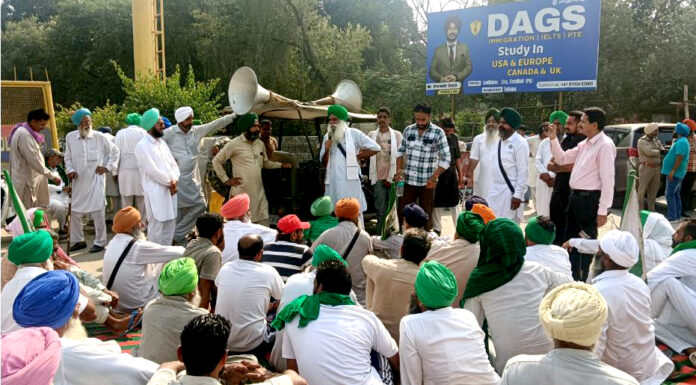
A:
(686, 101)
(452, 105)
(560, 100)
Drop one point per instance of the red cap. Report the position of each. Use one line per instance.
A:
(290, 223)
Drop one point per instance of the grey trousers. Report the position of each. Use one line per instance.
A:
(185, 220)
(381, 202)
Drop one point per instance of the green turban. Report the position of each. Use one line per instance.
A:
(149, 118)
(133, 119)
(469, 226)
(338, 111)
(512, 117)
(538, 234)
(501, 257)
(322, 206)
(38, 218)
(325, 253)
(34, 247)
(644, 214)
(178, 277)
(436, 285)
(494, 113)
(246, 121)
(560, 115)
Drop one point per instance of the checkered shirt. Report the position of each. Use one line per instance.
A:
(423, 153)
(691, 166)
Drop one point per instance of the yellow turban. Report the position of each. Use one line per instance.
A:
(574, 312)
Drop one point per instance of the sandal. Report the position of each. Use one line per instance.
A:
(132, 323)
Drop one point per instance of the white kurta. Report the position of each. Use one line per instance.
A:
(485, 155)
(443, 346)
(136, 279)
(84, 156)
(512, 311)
(234, 230)
(129, 182)
(157, 168)
(629, 330)
(339, 185)
(184, 148)
(514, 155)
(542, 199)
(534, 143)
(673, 291)
(657, 240)
(563, 366)
(91, 361)
(9, 293)
(554, 257)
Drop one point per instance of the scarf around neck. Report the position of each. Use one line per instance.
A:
(37, 136)
(307, 306)
(684, 246)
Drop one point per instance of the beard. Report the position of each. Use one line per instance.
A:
(251, 135)
(75, 330)
(157, 133)
(338, 130)
(84, 131)
(491, 135)
(138, 233)
(596, 267)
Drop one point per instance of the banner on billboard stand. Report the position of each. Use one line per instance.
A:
(531, 46)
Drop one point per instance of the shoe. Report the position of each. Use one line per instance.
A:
(96, 249)
(78, 246)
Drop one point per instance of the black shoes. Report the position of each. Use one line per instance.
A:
(96, 249)
(78, 246)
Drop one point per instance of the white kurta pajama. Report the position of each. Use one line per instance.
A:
(657, 240)
(184, 148)
(91, 361)
(514, 154)
(247, 159)
(343, 172)
(533, 142)
(554, 257)
(542, 198)
(673, 291)
(129, 183)
(627, 341)
(157, 168)
(28, 170)
(486, 156)
(58, 201)
(83, 156)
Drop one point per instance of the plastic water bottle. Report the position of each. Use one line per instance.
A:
(400, 189)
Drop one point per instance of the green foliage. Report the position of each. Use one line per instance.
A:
(110, 115)
(148, 92)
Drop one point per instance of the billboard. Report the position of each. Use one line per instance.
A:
(530, 46)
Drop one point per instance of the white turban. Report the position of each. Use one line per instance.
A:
(621, 247)
(651, 127)
(183, 113)
(574, 312)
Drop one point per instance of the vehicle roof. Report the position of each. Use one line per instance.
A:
(634, 126)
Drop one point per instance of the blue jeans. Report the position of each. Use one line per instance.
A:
(672, 194)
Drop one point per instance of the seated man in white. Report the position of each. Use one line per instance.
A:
(572, 315)
(629, 330)
(329, 339)
(51, 300)
(438, 344)
(507, 290)
(236, 211)
(673, 290)
(539, 235)
(247, 290)
(135, 277)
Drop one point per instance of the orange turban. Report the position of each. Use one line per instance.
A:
(125, 219)
(348, 208)
(690, 123)
(484, 211)
(236, 207)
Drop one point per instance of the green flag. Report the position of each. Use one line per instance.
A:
(17, 204)
(391, 219)
(630, 220)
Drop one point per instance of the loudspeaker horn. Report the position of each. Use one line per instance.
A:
(244, 92)
(347, 94)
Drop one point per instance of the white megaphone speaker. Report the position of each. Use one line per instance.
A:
(347, 94)
(244, 92)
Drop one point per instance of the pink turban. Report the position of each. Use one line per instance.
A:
(236, 207)
(30, 356)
